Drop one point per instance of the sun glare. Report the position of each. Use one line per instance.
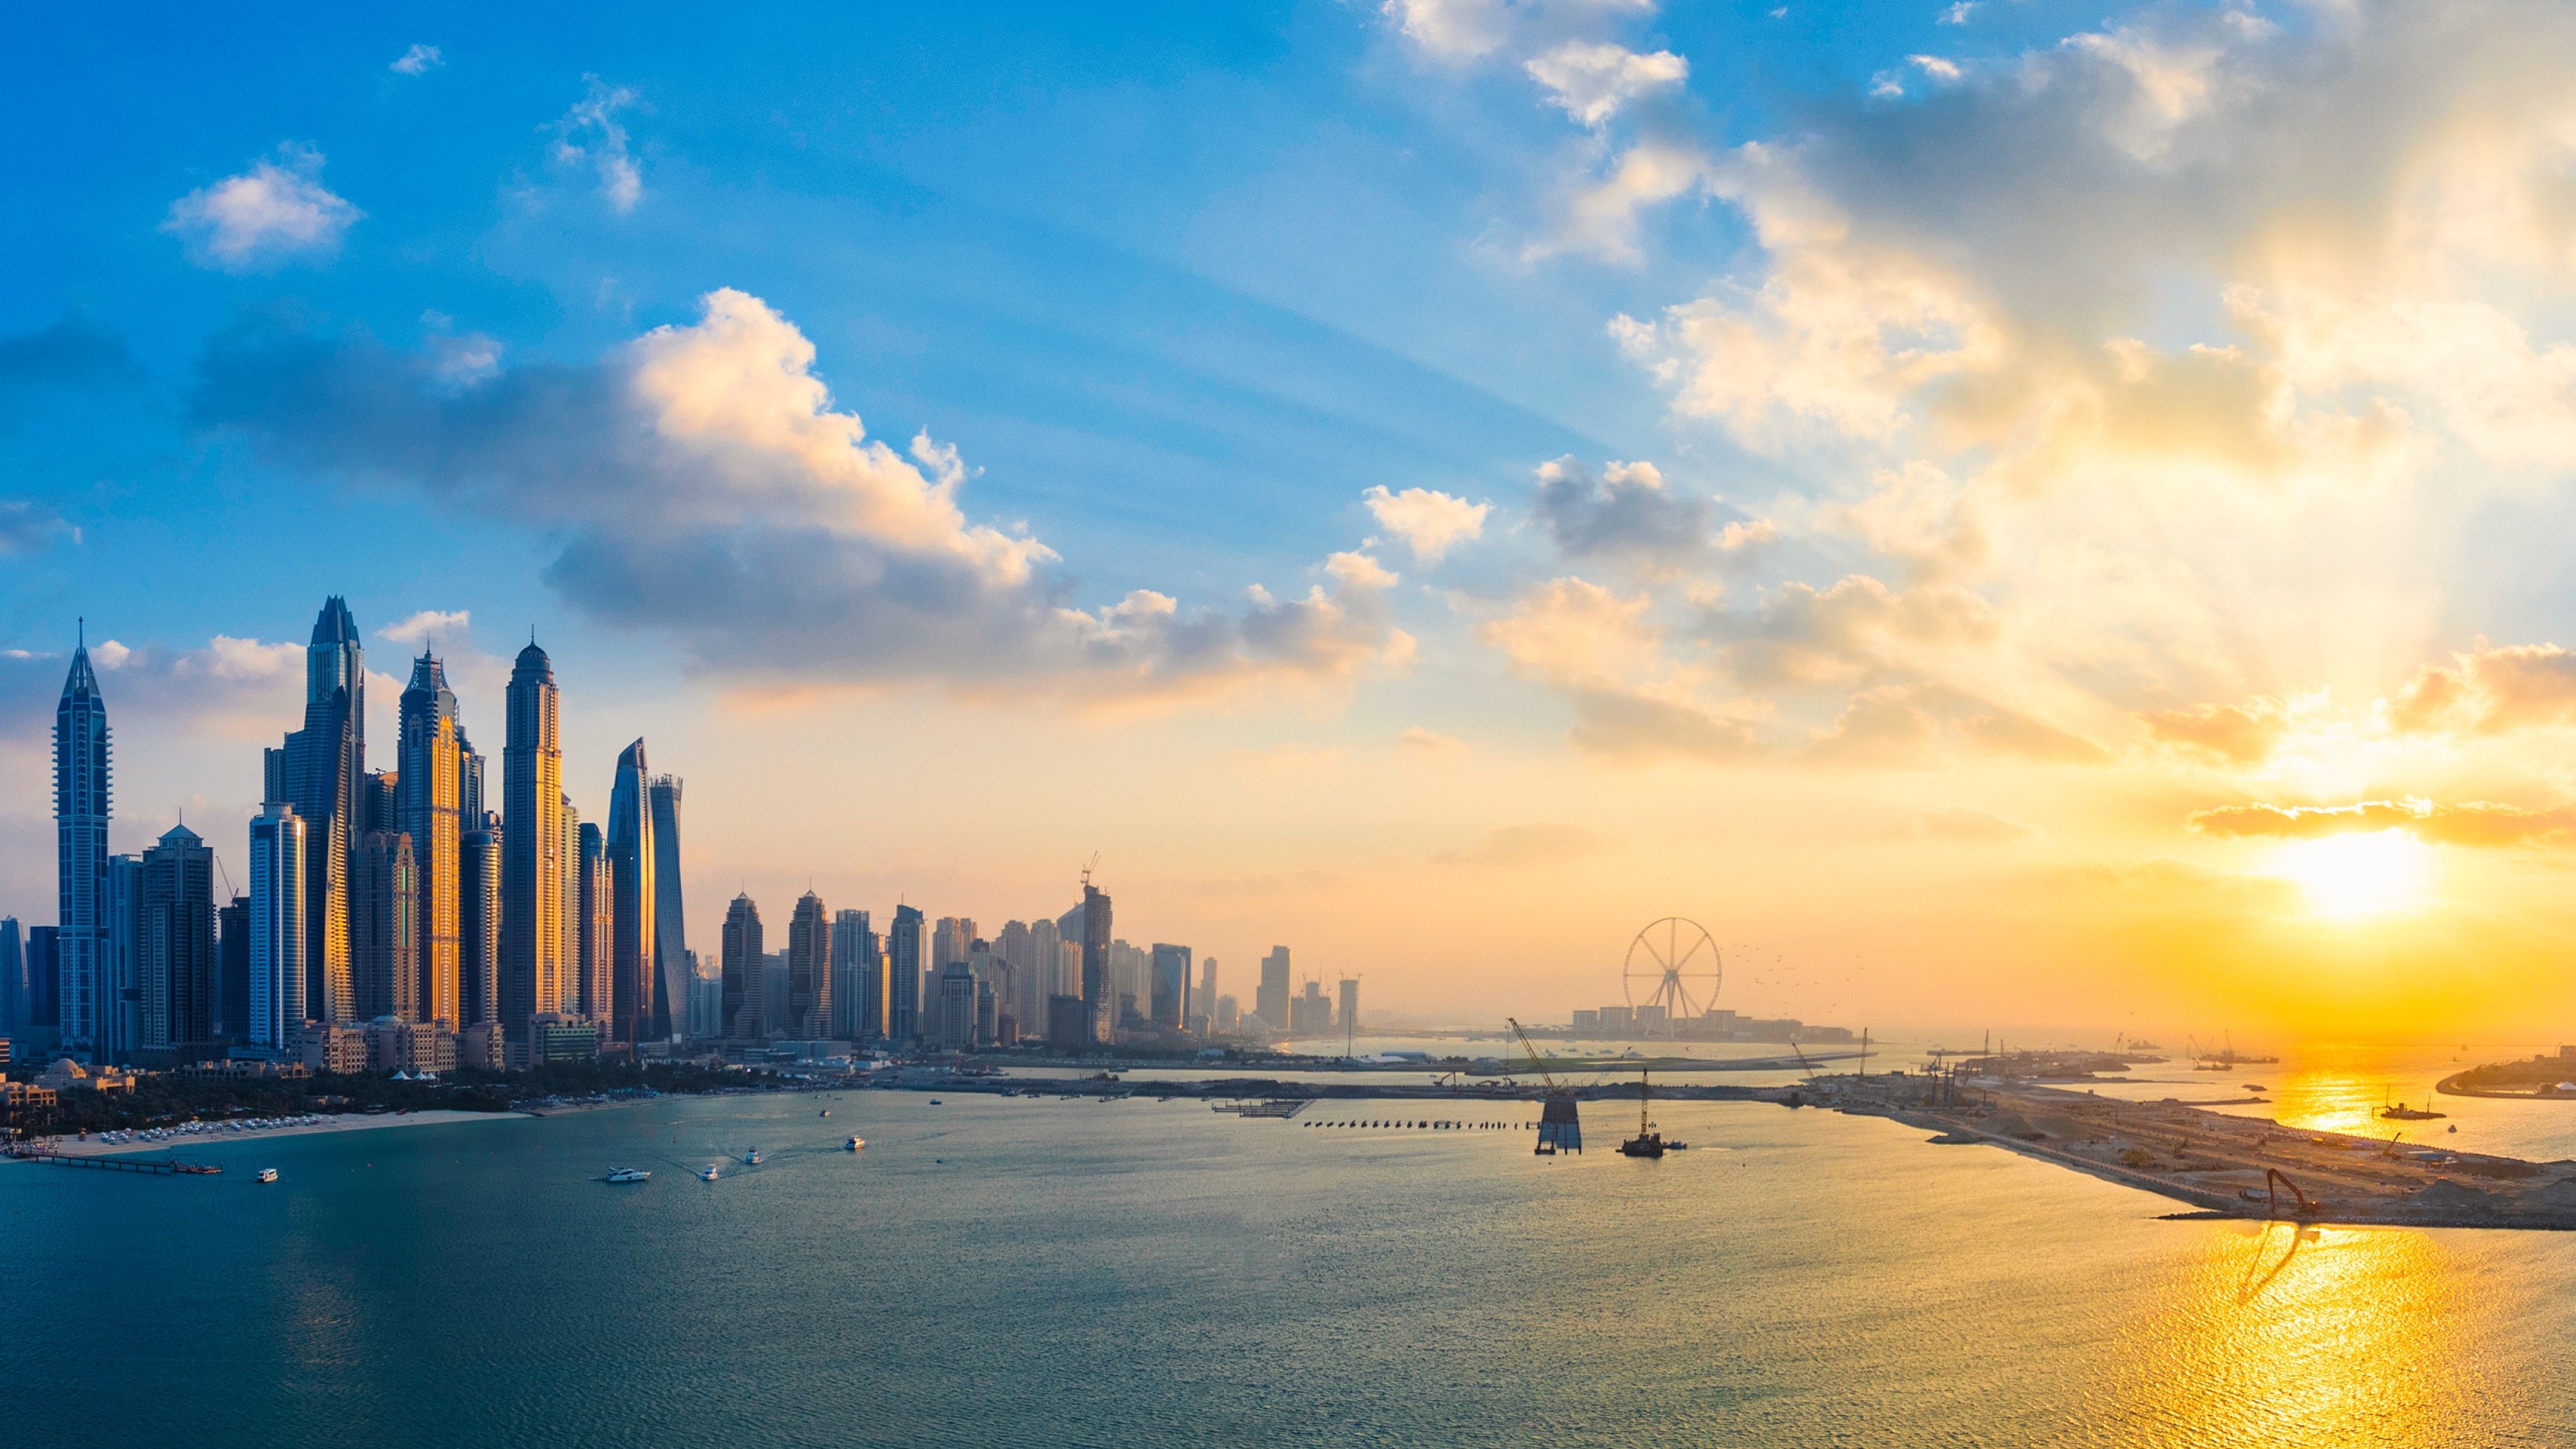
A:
(2355, 875)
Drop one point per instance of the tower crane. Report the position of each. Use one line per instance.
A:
(1559, 1127)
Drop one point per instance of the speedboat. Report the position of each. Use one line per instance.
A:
(268, 1174)
(751, 1158)
(826, 1112)
(854, 1144)
(630, 1174)
(709, 1175)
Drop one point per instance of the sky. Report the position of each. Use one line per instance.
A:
(2013, 514)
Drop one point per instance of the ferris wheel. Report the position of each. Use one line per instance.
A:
(1673, 965)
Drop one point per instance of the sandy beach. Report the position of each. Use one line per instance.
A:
(349, 1122)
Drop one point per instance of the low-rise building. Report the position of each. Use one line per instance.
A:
(332, 1048)
(66, 1075)
(553, 1037)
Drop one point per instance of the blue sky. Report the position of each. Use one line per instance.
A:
(1396, 447)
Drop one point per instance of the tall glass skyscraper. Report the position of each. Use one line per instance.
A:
(809, 970)
(858, 979)
(632, 857)
(746, 993)
(80, 834)
(903, 974)
(429, 809)
(671, 973)
(277, 934)
(532, 839)
(321, 770)
(176, 949)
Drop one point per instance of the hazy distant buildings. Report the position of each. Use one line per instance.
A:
(809, 970)
(428, 807)
(277, 935)
(633, 937)
(746, 987)
(670, 973)
(532, 845)
(1347, 1017)
(80, 834)
(956, 1007)
(1270, 999)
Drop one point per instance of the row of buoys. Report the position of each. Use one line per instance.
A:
(1433, 1126)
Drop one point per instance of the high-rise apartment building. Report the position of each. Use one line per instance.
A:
(632, 858)
(80, 836)
(320, 773)
(1270, 1000)
(956, 1007)
(903, 975)
(809, 970)
(532, 837)
(176, 967)
(858, 979)
(1096, 989)
(670, 975)
(746, 986)
(594, 923)
(478, 924)
(952, 941)
(120, 965)
(429, 807)
(13, 976)
(277, 935)
(1170, 991)
(232, 971)
(1348, 1016)
(384, 927)
(1204, 1002)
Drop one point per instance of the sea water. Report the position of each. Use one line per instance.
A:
(1047, 1271)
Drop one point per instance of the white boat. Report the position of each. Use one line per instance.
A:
(854, 1144)
(268, 1174)
(751, 1158)
(630, 1174)
(710, 1174)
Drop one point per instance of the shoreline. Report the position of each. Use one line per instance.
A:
(350, 1122)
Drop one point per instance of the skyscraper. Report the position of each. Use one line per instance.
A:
(858, 979)
(1204, 1003)
(120, 963)
(1170, 995)
(956, 1007)
(277, 935)
(809, 970)
(1095, 958)
(232, 990)
(80, 836)
(478, 924)
(322, 767)
(950, 941)
(903, 974)
(746, 987)
(1348, 1017)
(176, 968)
(670, 966)
(429, 809)
(632, 935)
(1270, 1002)
(13, 977)
(532, 840)
(595, 924)
(384, 927)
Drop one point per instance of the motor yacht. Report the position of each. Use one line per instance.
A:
(268, 1174)
(854, 1144)
(709, 1175)
(751, 1158)
(630, 1174)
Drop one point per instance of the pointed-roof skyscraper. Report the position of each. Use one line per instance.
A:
(80, 833)
(532, 841)
(426, 808)
(322, 768)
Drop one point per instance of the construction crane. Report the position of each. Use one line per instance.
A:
(1803, 1064)
(1559, 1127)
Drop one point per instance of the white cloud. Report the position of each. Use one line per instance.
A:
(1958, 14)
(1945, 71)
(1603, 215)
(419, 60)
(277, 211)
(1430, 522)
(429, 626)
(1463, 30)
(590, 135)
(1591, 81)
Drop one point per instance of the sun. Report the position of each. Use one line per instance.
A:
(2354, 875)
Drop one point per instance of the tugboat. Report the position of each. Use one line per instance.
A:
(1647, 1142)
(630, 1174)
(268, 1174)
(854, 1144)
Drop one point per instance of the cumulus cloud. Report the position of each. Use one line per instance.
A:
(1910, 726)
(2473, 823)
(277, 211)
(2233, 734)
(240, 688)
(1625, 513)
(1430, 522)
(1573, 632)
(1591, 81)
(1457, 31)
(418, 60)
(702, 482)
(1851, 630)
(2490, 690)
(591, 137)
(1646, 724)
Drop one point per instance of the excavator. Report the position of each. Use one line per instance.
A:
(1559, 1129)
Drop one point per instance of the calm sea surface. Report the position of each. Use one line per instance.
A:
(1134, 1273)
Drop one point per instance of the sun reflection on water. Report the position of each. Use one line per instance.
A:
(2284, 1335)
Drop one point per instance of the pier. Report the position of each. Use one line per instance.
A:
(148, 1166)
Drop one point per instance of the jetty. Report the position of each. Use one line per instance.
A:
(148, 1166)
